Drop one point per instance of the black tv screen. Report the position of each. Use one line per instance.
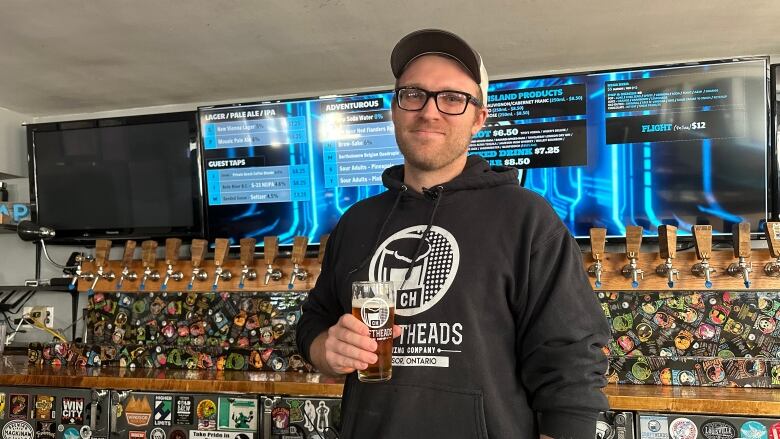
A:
(129, 177)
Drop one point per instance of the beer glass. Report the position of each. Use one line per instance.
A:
(373, 303)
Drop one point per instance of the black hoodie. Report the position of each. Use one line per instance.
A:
(500, 322)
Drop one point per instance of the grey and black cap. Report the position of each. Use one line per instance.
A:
(439, 42)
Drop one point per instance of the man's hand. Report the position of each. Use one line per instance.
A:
(345, 347)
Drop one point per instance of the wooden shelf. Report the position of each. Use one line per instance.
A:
(15, 371)
(6, 176)
(705, 400)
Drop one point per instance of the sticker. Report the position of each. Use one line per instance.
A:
(43, 407)
(70, 433)
(718, 429)
(19, 406)
(157, 433)
(138, 412)
(17, 429)
(280, 416)
(183, 414)
(2, 405)
(207, 415)
(683, 428)
(178, 434)
(753, 430)
(45, 430)
(775, 431)
(72, 410)
(654, 427)
(163, 410)
(237, 414)
(220, 435)
(137, 435)
(85, 432)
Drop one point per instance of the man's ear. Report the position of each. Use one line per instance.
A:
(479, 120)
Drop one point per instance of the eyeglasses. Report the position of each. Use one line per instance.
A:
(449, 102)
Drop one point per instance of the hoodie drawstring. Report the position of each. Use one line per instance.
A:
(402, 190)
(437, 193)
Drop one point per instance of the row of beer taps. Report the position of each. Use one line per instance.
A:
(199, 273)
(667, 247)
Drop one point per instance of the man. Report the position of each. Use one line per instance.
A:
(502, 334)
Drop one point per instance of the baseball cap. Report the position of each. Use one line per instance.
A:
(440, 42)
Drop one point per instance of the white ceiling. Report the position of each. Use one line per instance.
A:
(61, 57)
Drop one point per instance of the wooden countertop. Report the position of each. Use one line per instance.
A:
(15, 371)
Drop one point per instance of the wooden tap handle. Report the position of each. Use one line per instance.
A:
(270, 249)
(198, 251)
(741, 236)
(633, 240)
(149, 253)
(299, 249)
(323, 245)
(172, 247)
(248, 251)
(221, 246)
(102, 247)
(667, 241)
(702, 239)
(598, 239)
(772, 233)
(127, 256)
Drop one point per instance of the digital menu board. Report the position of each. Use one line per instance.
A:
(681, 145)
(292, 168)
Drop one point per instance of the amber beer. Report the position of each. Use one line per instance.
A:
(373, 303)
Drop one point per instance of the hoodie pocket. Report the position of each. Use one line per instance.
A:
(379, 411)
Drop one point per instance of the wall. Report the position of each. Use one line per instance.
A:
(17, 258)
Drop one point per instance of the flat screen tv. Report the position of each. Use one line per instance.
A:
(678, 144)
(293, 167)
(118, 178)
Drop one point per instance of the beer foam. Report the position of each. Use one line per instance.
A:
(358, 303)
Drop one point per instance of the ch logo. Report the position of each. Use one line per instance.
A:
(430, 274)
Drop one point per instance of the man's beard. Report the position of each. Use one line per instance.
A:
(456, 146)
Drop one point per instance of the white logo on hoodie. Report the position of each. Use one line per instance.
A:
(430, 275)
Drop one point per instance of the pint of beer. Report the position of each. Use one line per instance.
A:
(374, 304)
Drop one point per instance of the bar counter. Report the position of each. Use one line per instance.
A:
(15, 371)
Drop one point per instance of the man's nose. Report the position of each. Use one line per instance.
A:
(430, 110)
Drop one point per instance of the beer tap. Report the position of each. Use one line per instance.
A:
(740, 234)
(79, 274)
(598, 239)
(247, 260)
(149, 259)
(127, 259)
(270, 249)
(198, 251)
(172, 247)
(102, 248)
(772, 233)
(633, 243)
(323, 245)
(702, 239)
(298, 254)
(220, 253)
(667, 247)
